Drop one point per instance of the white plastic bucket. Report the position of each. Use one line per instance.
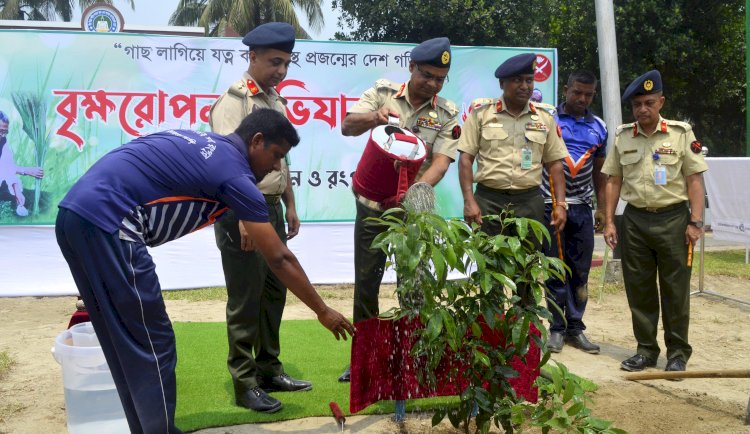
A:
(91, 400)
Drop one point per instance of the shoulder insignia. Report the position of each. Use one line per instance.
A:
(696, 147)
(624, 127)
(481, 101)
(549, 108)
(387, 84)
(684, 125)
(238, 88)
(532, 109)
(448, 106)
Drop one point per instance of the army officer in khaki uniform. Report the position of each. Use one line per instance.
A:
(656, 166)
(433, 119)
(511, 138)
(256, 296)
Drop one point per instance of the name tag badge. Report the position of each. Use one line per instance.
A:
(660, 175)
(526, 158)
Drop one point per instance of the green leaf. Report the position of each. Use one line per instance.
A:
(481, 358)
(570, 388)
(438, 416)
(476, 330)
(575, 408)
(434, 326)
(450, 257)
(438, 261)
(522, 227)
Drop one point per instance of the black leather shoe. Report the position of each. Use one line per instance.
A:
(675, 364)
(581, 342)
(346, 376)
(637, 363)
(284, 383)
(258, 400)
(555, 342)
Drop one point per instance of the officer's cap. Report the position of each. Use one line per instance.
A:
(646, 84)
(271, 35)
(516, 65)
(435, 52)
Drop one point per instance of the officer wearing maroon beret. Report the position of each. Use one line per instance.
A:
(657, 167)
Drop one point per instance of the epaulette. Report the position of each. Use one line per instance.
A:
(624, 127)
(684, 125)
(387, 84)
(549, 108)
(238, 88)
(482, 101)
(447, 105)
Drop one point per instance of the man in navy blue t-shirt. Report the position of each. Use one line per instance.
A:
(150, 191)
(585, 137)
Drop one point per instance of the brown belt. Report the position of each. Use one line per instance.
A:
(657, 210)
(272, 199)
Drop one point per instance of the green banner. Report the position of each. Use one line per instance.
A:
(70, 97)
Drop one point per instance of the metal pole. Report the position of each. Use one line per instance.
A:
(610, 76)
(747, 77)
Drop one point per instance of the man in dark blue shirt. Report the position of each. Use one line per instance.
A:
(150, 191)
(585, 136)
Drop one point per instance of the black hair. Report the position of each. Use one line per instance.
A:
(582, 76)
(272, 124)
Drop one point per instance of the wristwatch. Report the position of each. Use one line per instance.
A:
(697, 223)
(562, 204)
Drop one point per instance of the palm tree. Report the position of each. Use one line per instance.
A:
(245, 15)
(45, 10)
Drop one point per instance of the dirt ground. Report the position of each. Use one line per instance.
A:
(31, 394)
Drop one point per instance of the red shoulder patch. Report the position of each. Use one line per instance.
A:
(456, 133)
(696, 147)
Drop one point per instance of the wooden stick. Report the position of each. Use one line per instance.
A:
(554, 215)
(715, 373)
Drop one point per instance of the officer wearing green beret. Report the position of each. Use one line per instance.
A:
(657, 167)
(511, 138)
(256, 297)
(419, 109)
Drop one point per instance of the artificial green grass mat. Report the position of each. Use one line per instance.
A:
(205, 395)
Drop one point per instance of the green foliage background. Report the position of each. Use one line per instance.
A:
(699, 46)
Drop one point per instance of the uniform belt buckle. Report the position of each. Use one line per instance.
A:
(272, 199)
(368, 202)
(652, 209)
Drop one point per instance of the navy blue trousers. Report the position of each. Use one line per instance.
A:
(577, 239)
(117, 281)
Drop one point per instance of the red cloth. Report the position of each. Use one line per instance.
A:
(78, 317)
(383, 369)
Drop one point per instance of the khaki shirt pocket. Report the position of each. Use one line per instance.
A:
(428, 136)
(631, 162)
(490, 134)
(672, 163)
(536, 140)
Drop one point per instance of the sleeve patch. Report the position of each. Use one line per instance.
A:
(456, 133)
(696, 147)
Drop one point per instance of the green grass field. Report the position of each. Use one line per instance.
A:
(205, 396)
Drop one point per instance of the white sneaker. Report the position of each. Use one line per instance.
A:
(22, 211)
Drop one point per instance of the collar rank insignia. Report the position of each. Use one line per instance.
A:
(252, 87)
